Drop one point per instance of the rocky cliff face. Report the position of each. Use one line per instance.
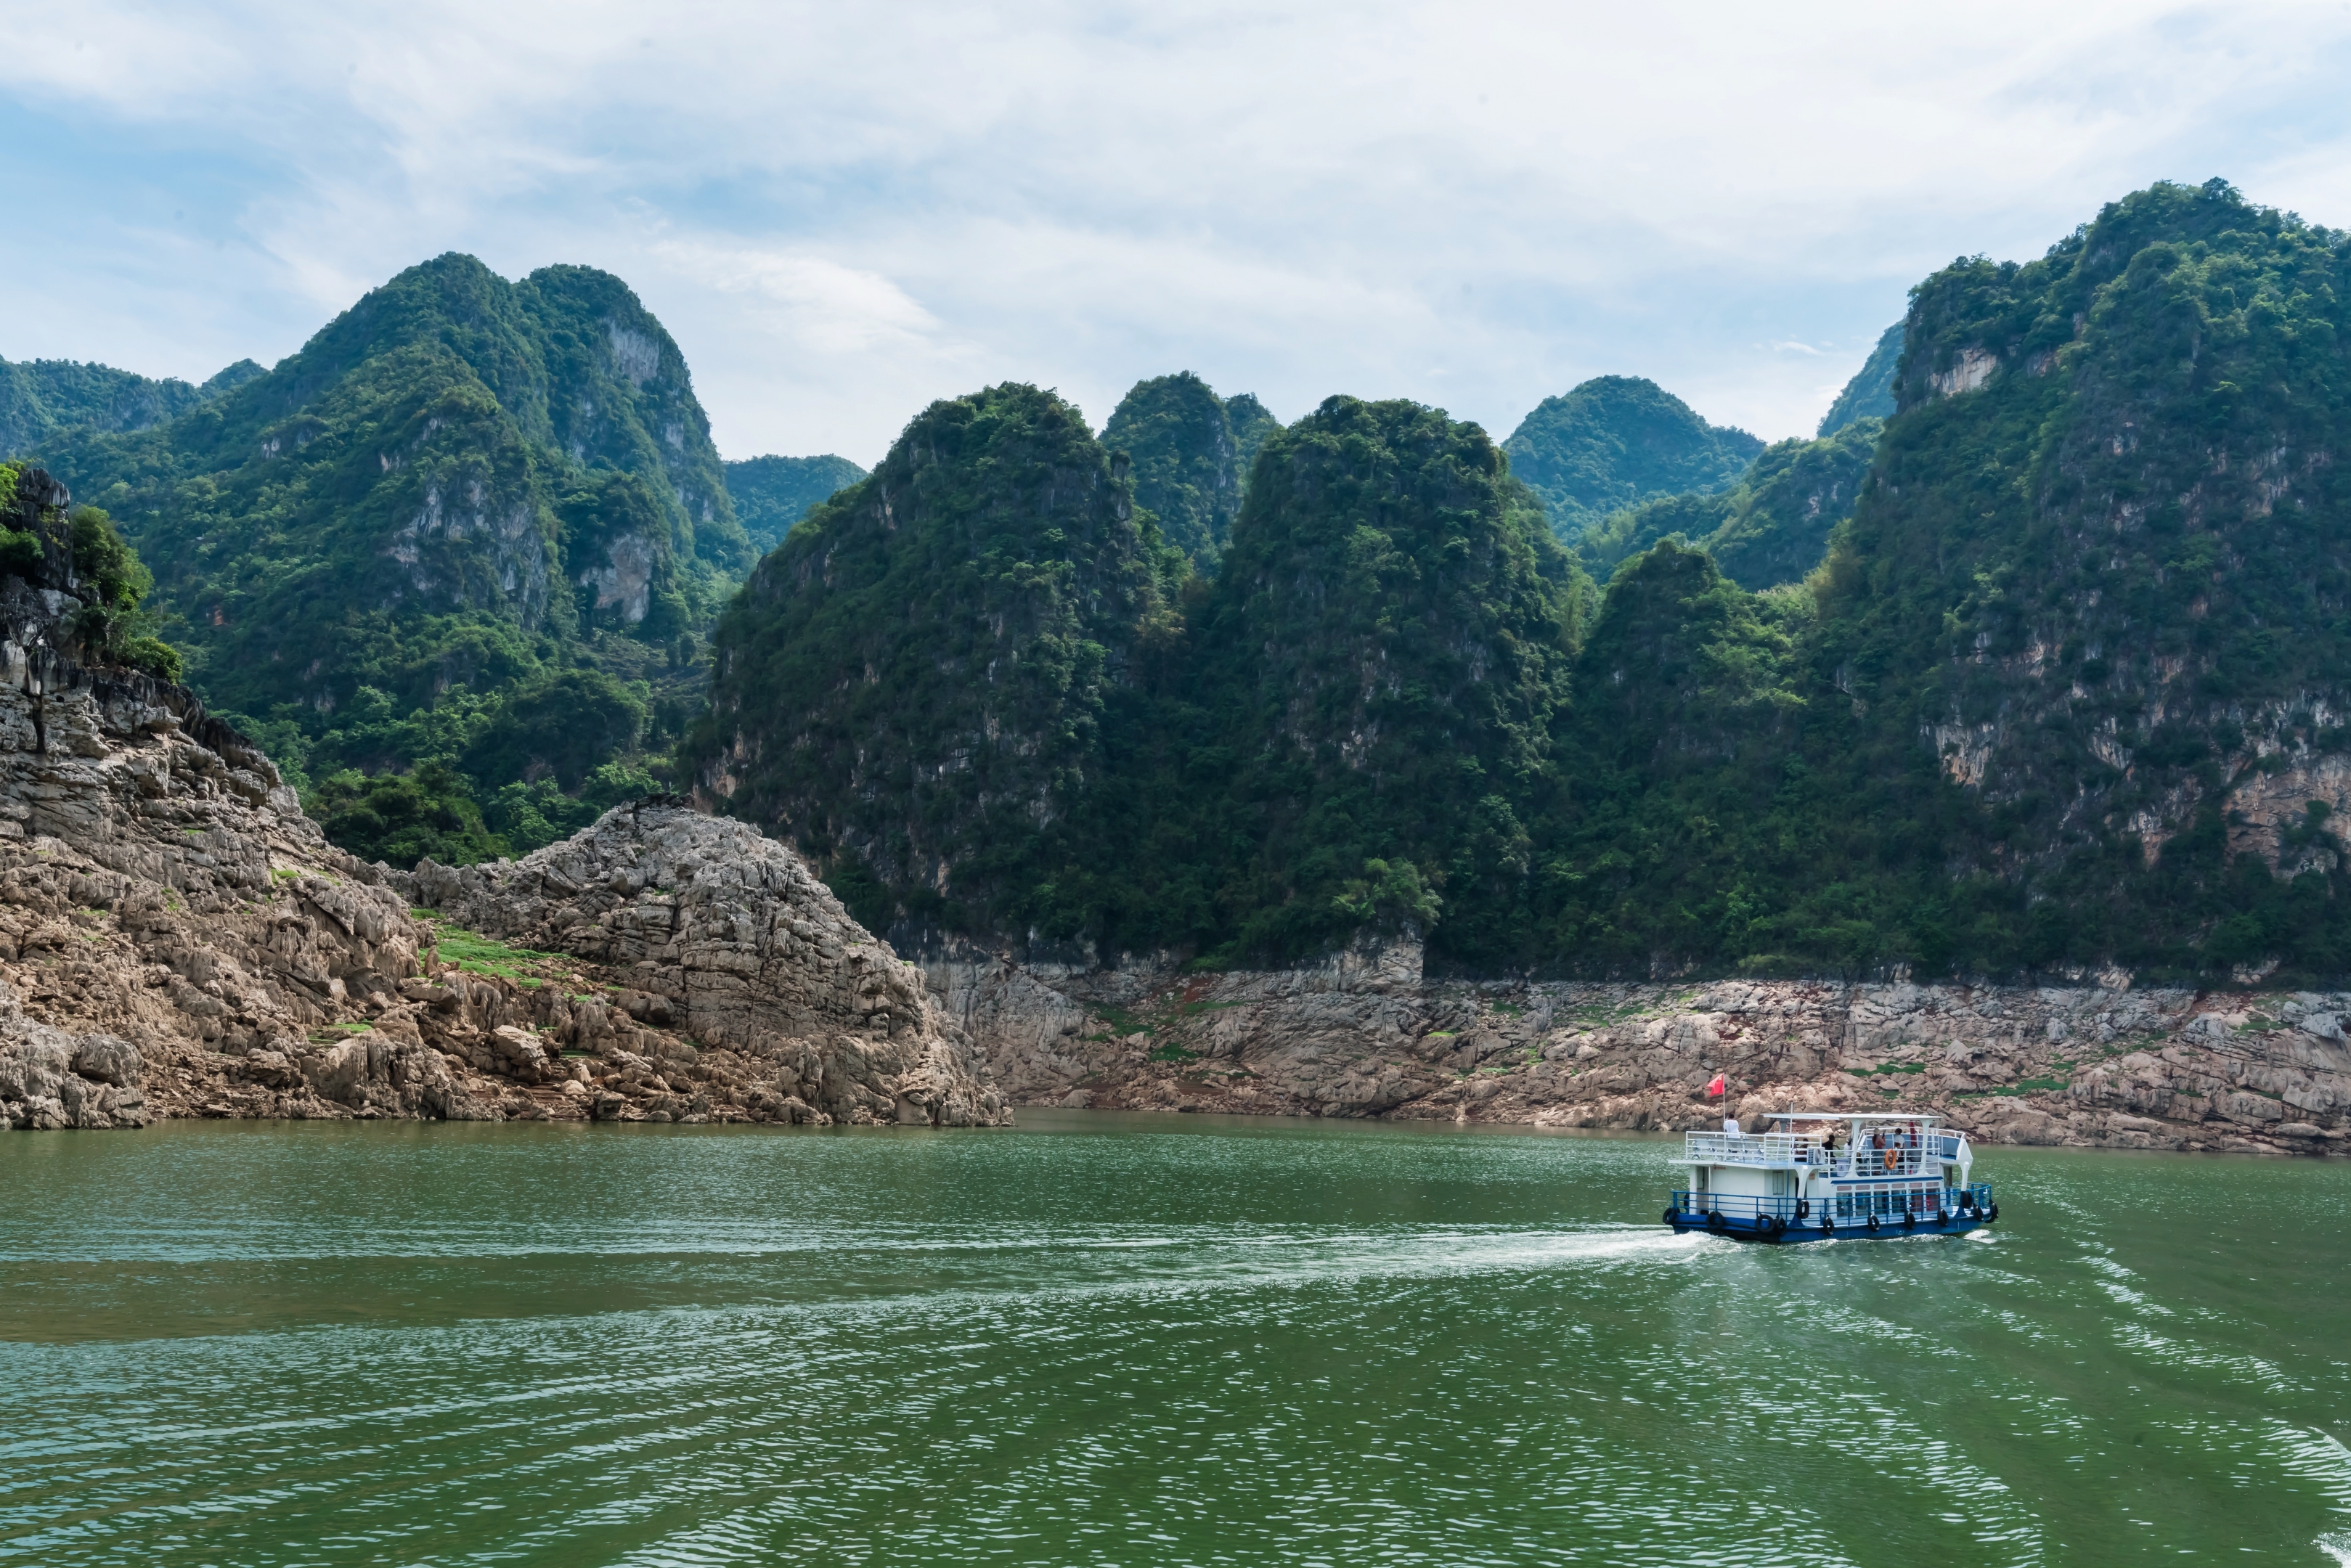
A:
(1365, 1033)
(726, 934)
(177, 938)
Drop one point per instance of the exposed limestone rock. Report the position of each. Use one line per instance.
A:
(1363, 1034)
(715, 931)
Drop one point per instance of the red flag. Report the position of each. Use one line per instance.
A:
(1717, 1086)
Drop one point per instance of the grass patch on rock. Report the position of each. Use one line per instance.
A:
(479, 955)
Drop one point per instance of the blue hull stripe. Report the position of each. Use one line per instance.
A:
(1811, 1231)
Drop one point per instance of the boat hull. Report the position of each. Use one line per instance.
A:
(1812, 1230)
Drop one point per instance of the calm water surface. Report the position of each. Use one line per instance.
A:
(1138, 1340)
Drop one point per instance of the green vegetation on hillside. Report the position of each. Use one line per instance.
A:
(39, 399)
(472, 522)
(1870, 394)
(1040, 743)
(1252, 421)
(771, 494)
(1770, 528)
(1387, 651)
(2066, 690)
(1614, 442)
(916, 687)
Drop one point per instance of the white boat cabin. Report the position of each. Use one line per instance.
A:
(1805, 1167)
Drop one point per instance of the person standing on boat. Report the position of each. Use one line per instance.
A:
(1721, 1087)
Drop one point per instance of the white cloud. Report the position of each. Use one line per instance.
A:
(822, 305)
(843, 212)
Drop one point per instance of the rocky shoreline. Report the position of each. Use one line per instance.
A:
(1365, 1034)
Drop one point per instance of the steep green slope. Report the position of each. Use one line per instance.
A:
(2106, 570)
(1387, 649)
(460, 495)
(771, 494)
(1771, 527)
(1870, 394)
(1789, 504)
(1616, 442)
(912, 684)
(2067, 691)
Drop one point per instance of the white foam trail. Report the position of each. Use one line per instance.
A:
(2318, 1457)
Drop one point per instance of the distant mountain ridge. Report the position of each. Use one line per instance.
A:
(1191, 451)
(1770, 528)
(771, 494)
(1616, 442)
(41, 398)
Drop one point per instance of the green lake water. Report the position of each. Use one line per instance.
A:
(1138, 1340)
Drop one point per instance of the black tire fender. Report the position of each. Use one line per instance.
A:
(1804, 1207)
(1672, 1215)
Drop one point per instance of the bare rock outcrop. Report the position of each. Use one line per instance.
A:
(728, 937)
(1364, 1034)
(178, 939)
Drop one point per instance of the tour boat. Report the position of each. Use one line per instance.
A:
(1811, 1176)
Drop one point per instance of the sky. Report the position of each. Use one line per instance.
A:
(843, 212)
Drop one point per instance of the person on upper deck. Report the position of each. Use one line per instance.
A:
(1730, 1125)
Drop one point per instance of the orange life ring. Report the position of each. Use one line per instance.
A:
(1892, 1159)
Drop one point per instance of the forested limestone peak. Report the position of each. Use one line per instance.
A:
(911, 685)
(1388, 651)
(466, 533)
(1252, 421)
(1617, 441)
(2103, 567)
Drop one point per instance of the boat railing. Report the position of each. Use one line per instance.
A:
(1751, 1149)
(1860, 1163)
(1785, 1149)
